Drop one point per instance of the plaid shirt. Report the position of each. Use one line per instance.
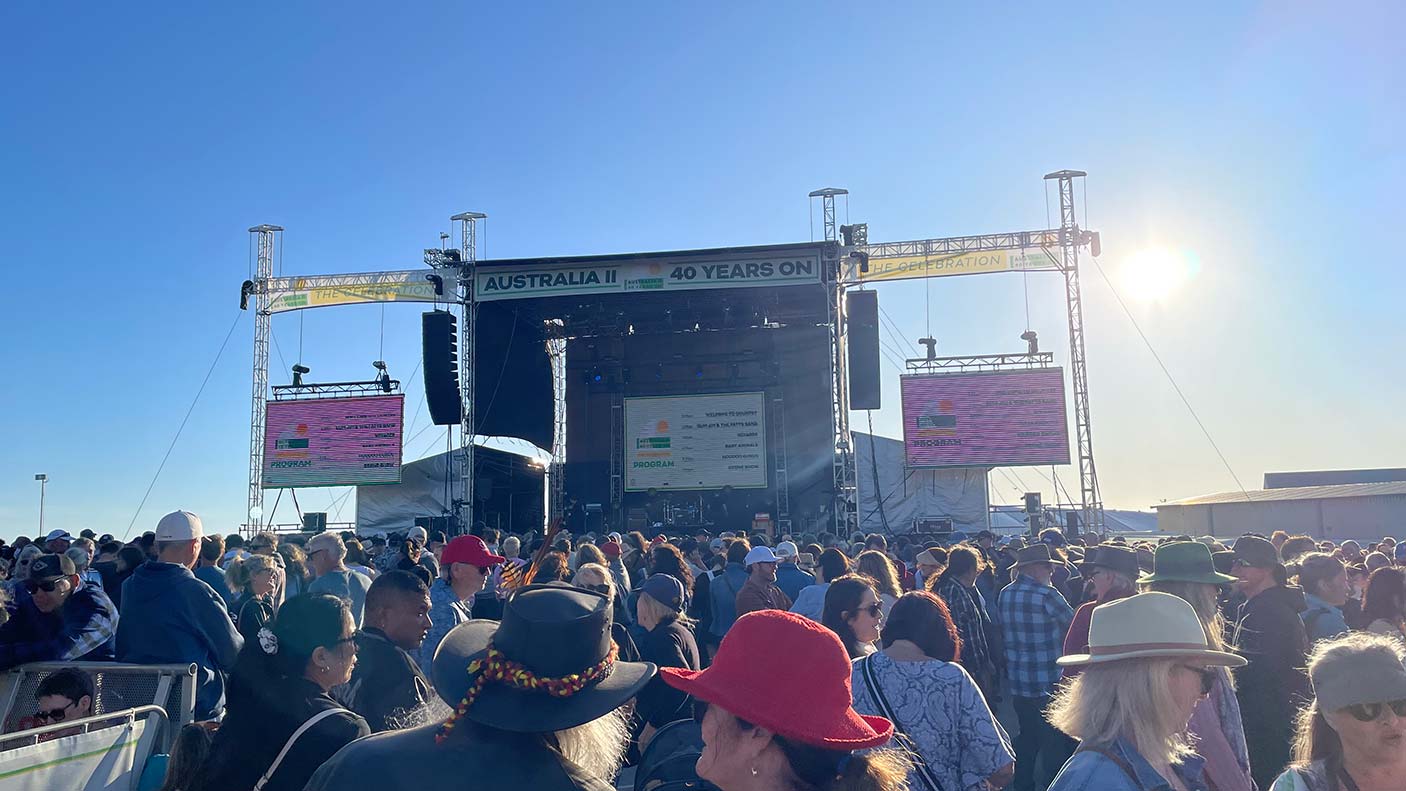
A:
(1034, 619)
(446, 612)
(971, 624)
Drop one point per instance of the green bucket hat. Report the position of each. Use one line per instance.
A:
(1185, 561)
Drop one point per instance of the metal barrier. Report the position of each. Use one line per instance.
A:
(156, 736)
(117, 687)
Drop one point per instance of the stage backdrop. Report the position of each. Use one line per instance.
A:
(333, 441)
(990, 419)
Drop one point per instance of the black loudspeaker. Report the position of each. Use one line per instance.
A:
(314, 521)
(1032, 502)
(863, 344)
(440, 333)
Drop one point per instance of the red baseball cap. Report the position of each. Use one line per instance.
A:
(788, 674)
(469, 549)
(611, 549)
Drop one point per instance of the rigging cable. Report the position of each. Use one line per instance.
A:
(181, 428)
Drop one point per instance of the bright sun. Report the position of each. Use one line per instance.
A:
(1156, 273)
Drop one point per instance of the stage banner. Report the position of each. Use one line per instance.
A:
(695, 442)
(662, 274)
(915, 266)
(102, 759)
(333, 442)
(986, 419)
(297, 293)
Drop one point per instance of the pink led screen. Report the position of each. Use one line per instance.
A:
(333, 441)
(999, 419)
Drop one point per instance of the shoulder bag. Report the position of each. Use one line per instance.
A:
(273, 767)
(920, 765)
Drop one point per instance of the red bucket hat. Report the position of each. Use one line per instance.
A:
(789, 675)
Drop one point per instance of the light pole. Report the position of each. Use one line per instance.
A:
(43, 480)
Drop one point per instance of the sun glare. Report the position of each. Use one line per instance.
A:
(1156, 274)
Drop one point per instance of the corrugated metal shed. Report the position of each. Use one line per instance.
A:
(1289, 480)
(1296, 493)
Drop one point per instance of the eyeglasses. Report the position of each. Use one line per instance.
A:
(48, 586)
(875, 610)
(1366, 712)
(54, 715)
(1207, 675)
(601, 588)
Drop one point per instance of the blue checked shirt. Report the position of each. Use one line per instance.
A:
(1034, 620)
(446, 612)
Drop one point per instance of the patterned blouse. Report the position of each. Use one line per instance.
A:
(941, 710)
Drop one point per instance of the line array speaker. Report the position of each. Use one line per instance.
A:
(440, 333)
(862, 308)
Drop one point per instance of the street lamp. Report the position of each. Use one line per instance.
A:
(43, 480)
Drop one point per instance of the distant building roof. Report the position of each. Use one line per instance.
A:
(1296, 493)
(1290, 480)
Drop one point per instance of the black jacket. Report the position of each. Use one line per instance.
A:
(1274, 684)
(473, 757)
(667, 645)
(251, 613)
(386, 686)
(259, 723)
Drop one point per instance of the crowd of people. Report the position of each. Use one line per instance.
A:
(333, 661)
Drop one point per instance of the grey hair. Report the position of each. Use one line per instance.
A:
(598, 746)
(1315, 739)
(597, 570)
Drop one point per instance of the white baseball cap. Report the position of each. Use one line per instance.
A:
(418, 533)
(761, 554)
(787, 549)
(179, 526)
(55, 535)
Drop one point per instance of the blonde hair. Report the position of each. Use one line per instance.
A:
(662, 612)
(878, 567)
(1202, 598)
(241, 571)
(1129, 699)
(596, 570)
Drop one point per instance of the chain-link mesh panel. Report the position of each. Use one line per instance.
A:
(116, 687)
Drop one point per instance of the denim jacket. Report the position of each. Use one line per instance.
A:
(1092, 771)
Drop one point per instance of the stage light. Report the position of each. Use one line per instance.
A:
(596, 375)
(298, 371)
(1032, 341)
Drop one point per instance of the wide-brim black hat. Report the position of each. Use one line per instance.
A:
(554, 631)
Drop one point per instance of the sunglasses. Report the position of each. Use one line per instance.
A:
(48, 586)
(54, 715)
(601, 588)
(1240, 564)
(875, 610)
(1207, 675)
(1366, 712)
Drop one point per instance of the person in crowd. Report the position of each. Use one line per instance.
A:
(832, 565)
(854, 613)
(929, 567)
(876, 565)
(1384, 603)
(596, 578)
(669, 559)
(129, 559)
(62, 696)
(327, 554)
(1350, 737)
(1034, 618)
(1356, 589)
(504, 731)
(723, 589)
(1148, 666)
(1186, 570)
(465, 567)
(587, 553)
(256, 579)
(512, 546)
(58, 618)
(789, 576)
(1324, 582)
(1376, 560)
(296, 576)
(937, 709)
(612, 551)
(1111, 572)
(23, 557)
(265, 543)
(188, 756)
(283, 722)
(667, 642)
(966, 607)
(779, 713)
(421, 538)
(207, 567)
(759, 592)
(1270, 634)
(1066, 577)
(106, 566)
(357, 560)
(553, 568)
(1295, 547)
(438, 540)
(387, 687)
(170, 617)
(57, 542)
(81, 553)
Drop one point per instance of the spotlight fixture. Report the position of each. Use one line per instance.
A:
(298, 370)
(1032, 341)
(931, 344)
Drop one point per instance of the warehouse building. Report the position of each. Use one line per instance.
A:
(1337, 505)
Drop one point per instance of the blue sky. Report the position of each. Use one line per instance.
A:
(137, 145)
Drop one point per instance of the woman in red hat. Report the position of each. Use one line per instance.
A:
(779, 713)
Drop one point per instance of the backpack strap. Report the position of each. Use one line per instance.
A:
(288, 745)
(1117, 760)
(871, 683)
